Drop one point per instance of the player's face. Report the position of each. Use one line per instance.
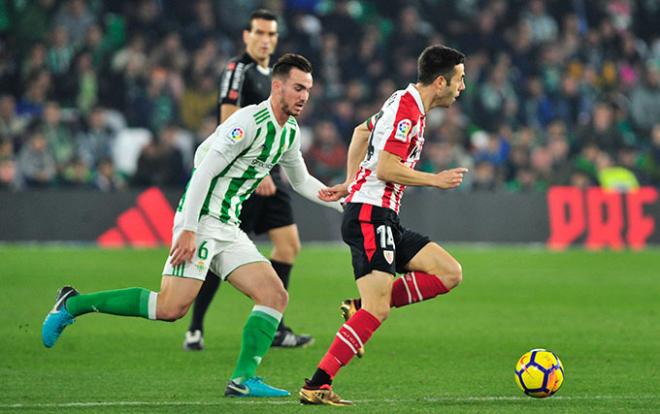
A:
(295, 91)
(261, 39)
(449, 92)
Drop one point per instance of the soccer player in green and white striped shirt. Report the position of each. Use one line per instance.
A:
(228, 168)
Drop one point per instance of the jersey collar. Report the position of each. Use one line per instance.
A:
(261, 69)
(272, 114)
(418, 98)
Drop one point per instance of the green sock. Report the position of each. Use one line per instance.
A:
(126, 302)
(258, 334)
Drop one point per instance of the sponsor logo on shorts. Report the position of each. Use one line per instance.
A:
(389, 256)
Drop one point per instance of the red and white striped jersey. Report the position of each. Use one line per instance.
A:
(398, 129)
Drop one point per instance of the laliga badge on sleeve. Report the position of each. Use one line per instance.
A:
(235, 135)
(403, 129)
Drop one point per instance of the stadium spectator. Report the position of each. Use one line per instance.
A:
(60, 52)
(35, 162)
(85, 83)
(37, 88)
(75, 17)
(76, 174)
(327, 154)
(35, 61)
(161, 162)
(198, 101)
(601, 131)
(106, 178)
(614, 177)
(11, 125)
(9, 177)
(645, 98)
(95, 138)
(61, 142)
(484, 176)
(544, 27)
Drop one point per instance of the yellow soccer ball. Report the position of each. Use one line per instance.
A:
(539, 373)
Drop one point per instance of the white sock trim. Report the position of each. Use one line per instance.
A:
(419, 293)
(347, 342)
(357, 337)
(405, 285)
(268, 311)
(151, 305)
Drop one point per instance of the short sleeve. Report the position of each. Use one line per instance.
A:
(231, 83)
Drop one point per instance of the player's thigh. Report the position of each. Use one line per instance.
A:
(237, 252)
(260, 282)
(372, 238)
(435, 260)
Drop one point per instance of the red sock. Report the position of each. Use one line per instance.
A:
(350, 337)
(416, 287)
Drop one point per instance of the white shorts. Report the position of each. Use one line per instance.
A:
(221, 247)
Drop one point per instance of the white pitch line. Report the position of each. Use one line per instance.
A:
(92, 404)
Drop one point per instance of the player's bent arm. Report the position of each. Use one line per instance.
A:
(214, 162)
(226, 110)
(391, 169)
(306, 185)
(357, 150)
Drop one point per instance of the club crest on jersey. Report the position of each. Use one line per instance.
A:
(236, 134)
(403, 129)
(389, 256)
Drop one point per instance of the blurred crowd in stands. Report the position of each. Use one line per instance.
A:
(115, 94)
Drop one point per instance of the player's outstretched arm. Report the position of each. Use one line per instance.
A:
(356, 153)
(306, 185)
(357, 150)
(392, 170)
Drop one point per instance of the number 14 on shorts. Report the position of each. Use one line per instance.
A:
(386, 242)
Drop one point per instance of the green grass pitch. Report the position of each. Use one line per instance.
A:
(600, 312)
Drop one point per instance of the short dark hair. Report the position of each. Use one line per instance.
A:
(260, 14)
(437, 60)
(288, 61)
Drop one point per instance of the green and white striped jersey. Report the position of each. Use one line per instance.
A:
(252, 142)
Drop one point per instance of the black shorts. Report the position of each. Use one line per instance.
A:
(377, 239)
(261, 214)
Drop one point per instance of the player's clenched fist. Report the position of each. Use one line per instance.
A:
(450, 178)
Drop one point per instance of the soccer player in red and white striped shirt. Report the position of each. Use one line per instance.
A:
(380, 246)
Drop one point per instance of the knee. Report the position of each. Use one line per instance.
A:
(280, 299)
(275, 297)
(171, 313)
(454, 275)
(287, 251)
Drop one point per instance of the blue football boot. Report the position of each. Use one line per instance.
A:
(58, 318)
(253, 387)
